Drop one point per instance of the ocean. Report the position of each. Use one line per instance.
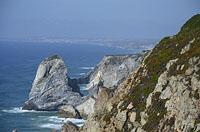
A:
(18, 65)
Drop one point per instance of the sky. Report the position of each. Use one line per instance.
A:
(119, 19)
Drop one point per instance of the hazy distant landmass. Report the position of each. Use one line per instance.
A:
(129, 44)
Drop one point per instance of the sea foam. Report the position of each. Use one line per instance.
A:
(80, 74)
(51, 126)
(18, 110)
(56, 119)
(55, 122)
(87, 68)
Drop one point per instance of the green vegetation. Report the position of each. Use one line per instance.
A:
(155, 112)
(168, 49)
(105, 115)
(192, 25)
(170, 122)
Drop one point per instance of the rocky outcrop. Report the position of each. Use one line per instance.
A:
(117, 66)
(103, 96)
(164, 92)
(86, 108)
(112, 70)
(83, 110)
(50, 88)
(70, 127)
(68, 111)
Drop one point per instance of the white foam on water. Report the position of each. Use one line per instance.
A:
(78, 122)
(51, 126)
(55, 122)
(81, 74)
(18, 110)
(87, 68)
(55, 119)
(82, 87)
(51, 122)
(64, 120)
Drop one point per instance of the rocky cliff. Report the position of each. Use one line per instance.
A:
(112, 70)
(162, 95)
(50, 88)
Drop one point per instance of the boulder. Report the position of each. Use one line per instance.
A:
(86, 108)
(70, 127)
(68, 111)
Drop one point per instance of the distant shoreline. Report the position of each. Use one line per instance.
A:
(126, 44)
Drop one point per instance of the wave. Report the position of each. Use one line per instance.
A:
(55, 122)
(51, 122)
(18, 110)
(81, 74)
(87, 68)
(64, 120)
(82, 87)
(51, 126)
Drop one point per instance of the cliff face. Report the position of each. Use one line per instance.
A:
(163, 94)
(50, 88)
(115, 68)
(112, 70)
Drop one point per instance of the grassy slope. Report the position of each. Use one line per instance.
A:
(169, 48)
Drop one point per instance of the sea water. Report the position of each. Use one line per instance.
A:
(18, 65)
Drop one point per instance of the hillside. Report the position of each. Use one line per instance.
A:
(163, 94)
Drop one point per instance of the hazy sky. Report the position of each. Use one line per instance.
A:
(94, 18)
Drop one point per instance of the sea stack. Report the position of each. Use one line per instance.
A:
(50, 88)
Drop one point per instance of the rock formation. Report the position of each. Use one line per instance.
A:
(117, 66)
(68, 111)
(69, 127)
(86, 108)
(111, 71)
(163, 94)
(50, 88)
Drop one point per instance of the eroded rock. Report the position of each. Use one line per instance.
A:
(113, 70)
(50, 88)
(164, 91)
(70, 127)
(86, 108)
(68, 111)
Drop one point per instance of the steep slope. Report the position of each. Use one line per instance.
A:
(111, 71)
(115, 68)
(163, 94)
